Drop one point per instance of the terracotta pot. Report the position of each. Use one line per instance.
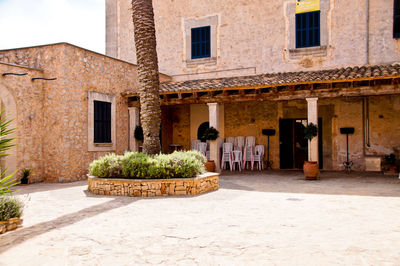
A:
(210, 166)
(311, 170)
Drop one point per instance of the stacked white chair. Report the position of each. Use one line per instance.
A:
(250, 141)
(202, 147)
(230, 140)
(239, 143)
(259, 157)
(237, 158)
(248, 153)
(195, 144)
(226, 155)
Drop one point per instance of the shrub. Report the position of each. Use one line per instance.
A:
(10, 207)
(180, 164)
(107, 166)
(136, 165)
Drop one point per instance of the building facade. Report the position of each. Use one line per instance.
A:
(246, 66)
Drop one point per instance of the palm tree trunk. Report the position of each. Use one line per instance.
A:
(149, 83)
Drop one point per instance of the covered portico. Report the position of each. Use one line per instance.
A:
(245, 105)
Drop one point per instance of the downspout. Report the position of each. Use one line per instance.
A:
(365, 101)
(367, 34)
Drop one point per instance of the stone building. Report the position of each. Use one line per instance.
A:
(243, 66)
(240, 66)
(55, 94)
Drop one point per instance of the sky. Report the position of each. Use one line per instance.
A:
(34, 22)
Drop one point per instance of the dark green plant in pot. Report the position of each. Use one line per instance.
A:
(210, 134)
(310, 131)
(138, 134)
(25, 173)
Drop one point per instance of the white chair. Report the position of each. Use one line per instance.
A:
(195, 144)
(202, 147)
(250, 141)
(239, 143)
(230, 140)
(237, 159)
(258, 157)
(226, 155)
(248, 156)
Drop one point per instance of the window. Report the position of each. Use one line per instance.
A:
(201, 42)
(102, 122)
(308, 29)
(396, 19)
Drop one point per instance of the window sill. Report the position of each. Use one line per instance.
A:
(102, 144)
(209, 61)
(315, 51)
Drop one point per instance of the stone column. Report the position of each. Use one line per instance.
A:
(133, 122)
(312, 117)
(213, 112)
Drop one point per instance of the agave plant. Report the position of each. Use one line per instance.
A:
(6, 143)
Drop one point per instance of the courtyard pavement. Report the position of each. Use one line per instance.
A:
(255, 218)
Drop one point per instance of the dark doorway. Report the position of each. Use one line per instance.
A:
(202, 128)
(293, 145)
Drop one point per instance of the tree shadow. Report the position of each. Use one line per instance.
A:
(13, 238)
(42, 186)
(331, 182)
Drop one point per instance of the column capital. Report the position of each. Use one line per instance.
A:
(312, 99)
(212, 104)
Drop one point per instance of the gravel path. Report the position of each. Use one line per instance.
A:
(268, 218)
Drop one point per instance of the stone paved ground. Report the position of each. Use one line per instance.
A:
(269, 218)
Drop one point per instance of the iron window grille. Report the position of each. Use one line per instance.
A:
(201, 45)
(396, 19)
(308, 29)
(102, 122)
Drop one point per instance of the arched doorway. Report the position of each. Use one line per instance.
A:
(202, 128)
(7, 103)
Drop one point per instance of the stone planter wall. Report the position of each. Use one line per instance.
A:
(9, 225)
(154, 187)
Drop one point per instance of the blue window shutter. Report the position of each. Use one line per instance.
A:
(201, 42)
(308, 29)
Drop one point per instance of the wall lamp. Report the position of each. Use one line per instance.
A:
(14, 74)
(33, 79)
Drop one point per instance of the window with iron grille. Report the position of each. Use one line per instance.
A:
(201, 47)
(102, 122)
(396, 19)
(308, 29)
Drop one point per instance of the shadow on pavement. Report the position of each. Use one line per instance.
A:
(336, 183)
(13, 238)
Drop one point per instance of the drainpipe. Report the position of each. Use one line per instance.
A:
(365, 118)
(367, 34)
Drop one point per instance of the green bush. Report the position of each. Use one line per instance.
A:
(10, 207)
(107, 166)
(134, 165)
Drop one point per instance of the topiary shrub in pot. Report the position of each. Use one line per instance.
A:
(210, 134)
(310, 168)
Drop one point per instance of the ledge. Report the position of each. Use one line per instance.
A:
(315, 51)
(154, 187)
(209, 61)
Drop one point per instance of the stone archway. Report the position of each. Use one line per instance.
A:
(8, 103)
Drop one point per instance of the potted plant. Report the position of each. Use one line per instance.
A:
(138, 135)
(25, 173)
(210, 134)
(310, 168)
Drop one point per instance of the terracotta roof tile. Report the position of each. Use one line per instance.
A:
(284, 78)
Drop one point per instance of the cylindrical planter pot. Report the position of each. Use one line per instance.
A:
(210, 166)
(311, 170)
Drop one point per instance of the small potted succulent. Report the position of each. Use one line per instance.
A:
(210, 134)
(310, 168)
(25, 173)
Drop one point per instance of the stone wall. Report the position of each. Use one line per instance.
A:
(257, 36)
(156, 187)
(22, 100)
(55, 139)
